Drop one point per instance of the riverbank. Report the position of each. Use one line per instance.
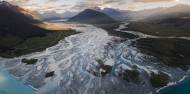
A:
(178, 88)
(171, 50)
(92, 61)
(36, 44)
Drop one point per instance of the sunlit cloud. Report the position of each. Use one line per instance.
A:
(152, 0)
(79, 5)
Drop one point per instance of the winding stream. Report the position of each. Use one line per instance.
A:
(77, 71)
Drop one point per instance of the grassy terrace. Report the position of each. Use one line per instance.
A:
(172, 51)
(17, 47)
(131, 75)
(158, 29)
(159, 80)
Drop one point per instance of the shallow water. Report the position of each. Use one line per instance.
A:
(10, 85)
(74, 61)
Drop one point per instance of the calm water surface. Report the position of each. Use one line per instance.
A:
(181, 88)
(10, 85)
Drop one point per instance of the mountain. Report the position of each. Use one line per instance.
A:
(155, 13)
(92, 17)
(9, 10)
(110, 12)
(16, 21)
(115, 13)
(68, 14)
(52, 15)
(17, 24)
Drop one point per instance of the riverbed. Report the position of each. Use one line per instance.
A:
(77, 70)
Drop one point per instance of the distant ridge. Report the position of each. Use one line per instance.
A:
(52, 15)
(92, 17)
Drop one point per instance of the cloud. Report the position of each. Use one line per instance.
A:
(23, 2)
(18, 1)
(96, 3)
(151, 0)
(86, 4)
(78, 5)
(63, 5)
(52, 0)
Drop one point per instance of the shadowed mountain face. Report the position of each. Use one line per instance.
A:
(14, 21)
(92, 17)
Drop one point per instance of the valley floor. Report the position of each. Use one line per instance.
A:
(93, 62)
(14, 47)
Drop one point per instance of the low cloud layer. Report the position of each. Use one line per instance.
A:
(151, 0)
(79, 5)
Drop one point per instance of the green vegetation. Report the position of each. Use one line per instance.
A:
(110, 26)
(9, 41)
(159, 80)
(14, 46)
(31, 61)
(131, 75)
(160, 29)
(110, 29)
(172, 51)
(33, 44)
(49, 74)
(107, 69)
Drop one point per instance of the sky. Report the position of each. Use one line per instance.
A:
(79, 5)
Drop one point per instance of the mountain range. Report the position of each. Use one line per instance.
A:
(127, 15)
(52, 15)
(160, 12)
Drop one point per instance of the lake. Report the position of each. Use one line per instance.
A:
(10, 85)
(180, 88)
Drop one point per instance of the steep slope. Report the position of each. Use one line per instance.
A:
(92, 17)
(15, 21)
(16, 25)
